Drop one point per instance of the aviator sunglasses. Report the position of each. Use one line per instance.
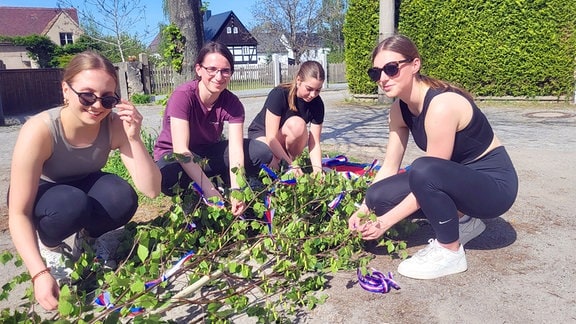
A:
(88, 99)
(390, 68)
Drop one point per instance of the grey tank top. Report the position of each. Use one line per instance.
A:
(67, 162)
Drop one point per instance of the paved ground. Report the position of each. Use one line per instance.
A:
(521, 270)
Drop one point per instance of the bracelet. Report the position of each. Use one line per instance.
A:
(47, 270)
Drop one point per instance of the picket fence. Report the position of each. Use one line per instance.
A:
(246, 76)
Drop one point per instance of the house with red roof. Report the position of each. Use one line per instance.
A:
(61, 25)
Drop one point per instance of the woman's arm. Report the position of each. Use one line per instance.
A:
(314, 147)
(32, 149)
(236, 150)
(180, 138)
(272, 129)
(135, 156)
(447, 113)
(236, 156)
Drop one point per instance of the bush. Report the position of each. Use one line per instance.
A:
(140, 98)
(360, 37)
(496, 48)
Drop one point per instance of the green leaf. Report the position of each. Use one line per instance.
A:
(143, 252)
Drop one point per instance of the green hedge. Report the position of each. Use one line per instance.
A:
(496, 48)
(489, 47)
(360, 37)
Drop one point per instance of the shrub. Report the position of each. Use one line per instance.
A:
(140, 98)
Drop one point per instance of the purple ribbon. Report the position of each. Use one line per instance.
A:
(337, 160)
(219, 204)
(104, 300)
(273, 175)
(269, 212)
(170, 272)
(377, 282)
(336, 201)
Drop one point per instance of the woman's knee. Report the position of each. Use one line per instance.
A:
(423, 170)
(294, 129)
(258, 152)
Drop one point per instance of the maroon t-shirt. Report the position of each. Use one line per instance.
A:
(205, 126)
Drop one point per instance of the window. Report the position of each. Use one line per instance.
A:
(228, 30)
(235, 30)
(65, 38)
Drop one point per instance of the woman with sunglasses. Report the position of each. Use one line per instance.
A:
(192, 127)
(288, 109)
(57, 187)
(466, 174)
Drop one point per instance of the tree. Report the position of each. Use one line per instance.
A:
(332, 15)
(186, 15)
(295, 21)
(110, 21)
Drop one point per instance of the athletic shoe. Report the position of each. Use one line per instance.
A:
(55, 259)
(81, 241)
(434, 261)
(105, 248)
(469, 228)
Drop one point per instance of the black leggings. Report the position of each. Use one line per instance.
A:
(255, 154)
(485, 188)
(98, 203)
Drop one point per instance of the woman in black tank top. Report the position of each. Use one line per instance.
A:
(465, 174)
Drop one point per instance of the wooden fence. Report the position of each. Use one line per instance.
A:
(247, 76)
(25, 91)
(28, 91)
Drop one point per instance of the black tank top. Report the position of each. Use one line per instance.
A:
(469, 142)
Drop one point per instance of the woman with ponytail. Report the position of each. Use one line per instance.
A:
(466, 174)
(283, 121)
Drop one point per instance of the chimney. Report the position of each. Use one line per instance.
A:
(207, 15)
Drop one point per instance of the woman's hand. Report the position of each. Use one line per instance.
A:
(370, 230)
(356, 221)
(296, 170)
(47, 291)
(131, 117)
(238, 206)
(373, 230)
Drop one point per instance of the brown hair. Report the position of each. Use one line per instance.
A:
(308, 69)
(404, 46)
(88, 60)
(215, 47)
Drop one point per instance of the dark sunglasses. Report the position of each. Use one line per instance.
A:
(390, 68)
(88, 99)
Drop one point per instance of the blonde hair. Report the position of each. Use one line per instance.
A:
(404, 46)
(88, 60)
(308, 69)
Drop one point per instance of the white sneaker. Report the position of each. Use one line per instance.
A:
(55, 259)
(469, 228)
(434, 261)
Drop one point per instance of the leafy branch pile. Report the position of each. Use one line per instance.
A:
(240, 265)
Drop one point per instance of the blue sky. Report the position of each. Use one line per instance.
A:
(154, 15)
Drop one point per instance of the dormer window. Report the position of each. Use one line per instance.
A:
(65, 38)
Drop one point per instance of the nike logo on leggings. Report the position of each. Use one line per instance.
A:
(444, 222)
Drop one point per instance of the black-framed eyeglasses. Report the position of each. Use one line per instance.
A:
(391, 69)
(88, 99)
(212, 71)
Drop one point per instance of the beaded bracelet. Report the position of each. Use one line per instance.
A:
(47, 270)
